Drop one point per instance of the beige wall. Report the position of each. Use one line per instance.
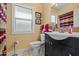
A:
(46, 12)
(69, 7)
(24, 39)
(54, 11)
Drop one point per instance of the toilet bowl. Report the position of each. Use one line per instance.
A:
(37, 44)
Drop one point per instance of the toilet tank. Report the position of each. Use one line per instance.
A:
(42, 37)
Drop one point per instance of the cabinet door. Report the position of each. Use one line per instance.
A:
(76, 18)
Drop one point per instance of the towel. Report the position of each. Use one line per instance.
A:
(2, 13)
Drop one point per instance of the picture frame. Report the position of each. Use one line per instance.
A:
(37, 18)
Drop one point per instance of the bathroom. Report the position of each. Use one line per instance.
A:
(27, 38)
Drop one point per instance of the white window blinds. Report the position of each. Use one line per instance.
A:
(23, 19)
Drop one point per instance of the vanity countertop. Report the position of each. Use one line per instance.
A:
(60, 36)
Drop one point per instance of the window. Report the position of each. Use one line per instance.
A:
(22, 19)
(54, 19)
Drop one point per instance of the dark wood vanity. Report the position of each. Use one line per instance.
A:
(66, 47)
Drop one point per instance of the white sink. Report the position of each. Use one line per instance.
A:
(61, 36)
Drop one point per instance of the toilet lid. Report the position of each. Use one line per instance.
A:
(36, 42)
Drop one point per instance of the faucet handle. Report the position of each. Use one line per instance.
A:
(16, 42)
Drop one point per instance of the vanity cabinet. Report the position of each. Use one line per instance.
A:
(55, 47)
(66, 47)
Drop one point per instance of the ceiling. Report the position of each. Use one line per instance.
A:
(59, 5)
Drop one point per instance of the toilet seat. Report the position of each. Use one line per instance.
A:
(35, 43)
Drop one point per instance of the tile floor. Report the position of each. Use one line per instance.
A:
(30, 51)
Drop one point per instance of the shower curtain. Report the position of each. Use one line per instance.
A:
(3, 17)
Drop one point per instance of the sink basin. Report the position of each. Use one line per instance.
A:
(57, 35)
(62, 36)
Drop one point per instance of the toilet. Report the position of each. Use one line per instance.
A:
(37, 44)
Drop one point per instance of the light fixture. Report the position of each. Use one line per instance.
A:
(56, 4)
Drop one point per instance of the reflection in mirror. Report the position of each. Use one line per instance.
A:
(54, 22)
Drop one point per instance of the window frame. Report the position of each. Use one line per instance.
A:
(14, 20)
(55, 18)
